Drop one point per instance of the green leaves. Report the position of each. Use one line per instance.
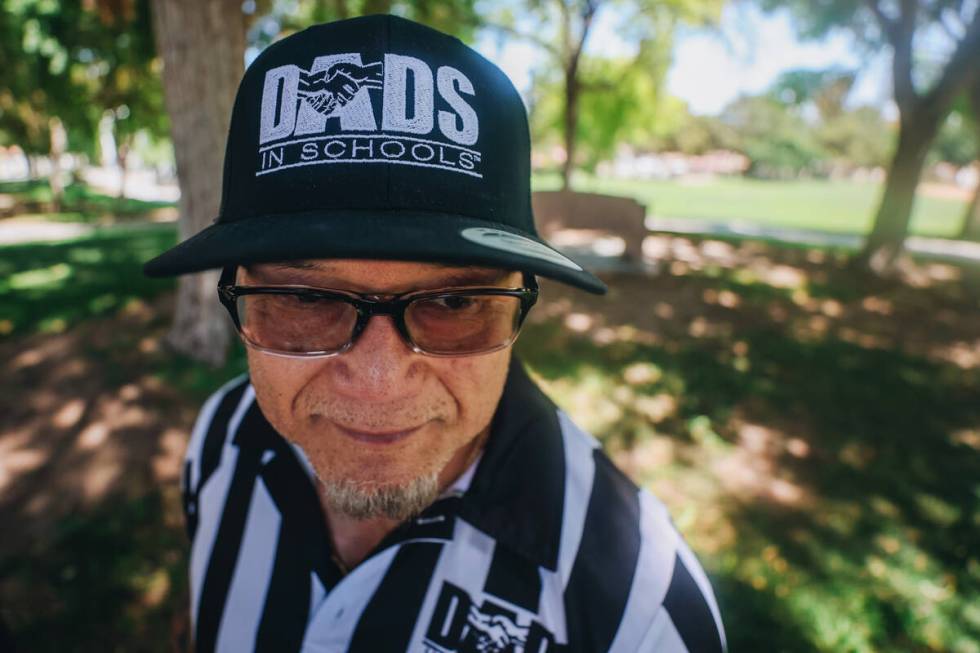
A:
(71, 60)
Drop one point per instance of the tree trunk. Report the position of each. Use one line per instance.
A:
(58, 141)
(122, 160)
(891, 224)
(203, 50)
(570, 124)
(971, 219)
(573, 49)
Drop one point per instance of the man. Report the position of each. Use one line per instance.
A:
(387, 477)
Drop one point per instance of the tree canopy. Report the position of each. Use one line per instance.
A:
(622, 88)
(924, 86)
(82, 60)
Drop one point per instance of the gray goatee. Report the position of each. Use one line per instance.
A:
(369, 501)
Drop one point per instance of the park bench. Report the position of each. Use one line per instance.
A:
(579, 219)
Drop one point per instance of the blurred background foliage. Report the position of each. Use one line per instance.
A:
(793, 367)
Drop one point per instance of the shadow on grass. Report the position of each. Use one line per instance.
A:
(757, 621)
(830, 480)
(93, 423)
(48, 287)
(104, 579)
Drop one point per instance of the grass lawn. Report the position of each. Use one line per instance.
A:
(32, 200)
(816, 443)
(49, 287)
(837, 206)
(814, 435)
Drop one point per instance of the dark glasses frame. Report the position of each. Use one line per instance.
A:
(369, 305)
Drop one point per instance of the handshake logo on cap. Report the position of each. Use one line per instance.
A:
(326, 115)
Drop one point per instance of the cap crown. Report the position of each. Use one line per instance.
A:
(377, 113)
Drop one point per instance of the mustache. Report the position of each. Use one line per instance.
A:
(374, 416)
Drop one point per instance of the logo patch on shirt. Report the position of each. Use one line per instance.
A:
(327, 115)
(458, 625)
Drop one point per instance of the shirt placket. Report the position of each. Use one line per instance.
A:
(333, 621)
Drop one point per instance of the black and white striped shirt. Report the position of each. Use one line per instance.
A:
(541, 546)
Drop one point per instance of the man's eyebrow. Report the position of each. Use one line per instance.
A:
(293, 265)
(474, 277)
(454, 276)
(480, 275)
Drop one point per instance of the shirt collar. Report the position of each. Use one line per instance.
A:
(517, 492)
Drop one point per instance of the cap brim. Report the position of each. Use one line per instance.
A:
(396, 235)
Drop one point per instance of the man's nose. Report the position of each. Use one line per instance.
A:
(380, 364)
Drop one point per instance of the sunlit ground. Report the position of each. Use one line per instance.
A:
(815, 436)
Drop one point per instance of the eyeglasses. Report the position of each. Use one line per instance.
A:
(306, 322)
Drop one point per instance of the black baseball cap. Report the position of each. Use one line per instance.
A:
(375, 137)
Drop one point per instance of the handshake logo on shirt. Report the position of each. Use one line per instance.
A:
(459, 625)
(494, 633)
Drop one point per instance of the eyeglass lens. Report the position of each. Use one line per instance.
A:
(296, 324)
(451, 324)
(460, 323)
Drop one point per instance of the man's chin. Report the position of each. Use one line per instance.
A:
(366, 499)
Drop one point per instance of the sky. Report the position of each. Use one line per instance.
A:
(744, 55)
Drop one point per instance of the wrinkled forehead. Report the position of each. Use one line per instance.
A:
(378, 275)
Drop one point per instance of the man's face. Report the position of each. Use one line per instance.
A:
(380, 419)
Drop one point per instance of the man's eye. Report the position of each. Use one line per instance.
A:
(306, 299)
(454, 303)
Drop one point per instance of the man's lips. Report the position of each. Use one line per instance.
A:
(377, 437)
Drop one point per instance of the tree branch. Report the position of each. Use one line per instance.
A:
(974, 94)
(943, 15)
(566, 34)
(953, 32)
(531, 38)
(588, 14)
(961, 69)
(899, 33)
(887, 25)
